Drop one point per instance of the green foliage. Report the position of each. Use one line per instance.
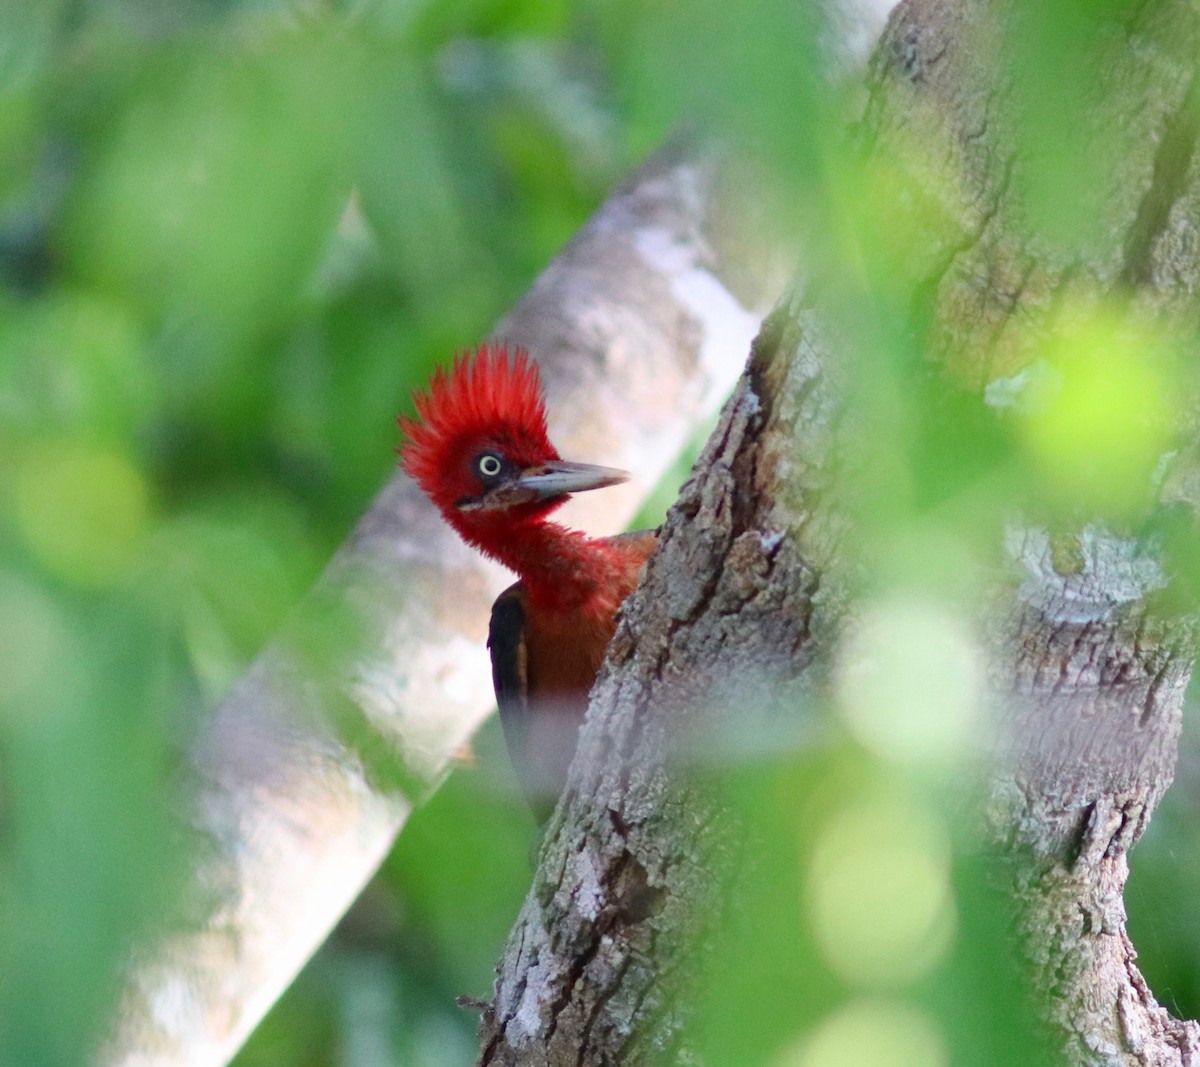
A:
(867, 926)
(1164, 875)
(234, 236)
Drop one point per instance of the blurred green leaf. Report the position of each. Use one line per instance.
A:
(234, 236)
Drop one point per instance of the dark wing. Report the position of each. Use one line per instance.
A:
(510, 675)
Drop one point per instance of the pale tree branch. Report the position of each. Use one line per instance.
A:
(306, 772)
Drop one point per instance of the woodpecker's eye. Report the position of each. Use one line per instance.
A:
(489, 465)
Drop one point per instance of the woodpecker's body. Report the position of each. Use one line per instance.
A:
(545, 655)
(479, 450)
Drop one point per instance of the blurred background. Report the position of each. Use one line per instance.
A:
(234, 236)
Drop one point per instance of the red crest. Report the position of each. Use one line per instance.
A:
(491, 396)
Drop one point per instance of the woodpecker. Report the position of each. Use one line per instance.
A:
(479, 449)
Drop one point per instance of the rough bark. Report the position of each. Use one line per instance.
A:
(1088, 667)
(309, 768)
(599, 965)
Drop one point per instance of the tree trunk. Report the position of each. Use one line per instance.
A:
(761, 561)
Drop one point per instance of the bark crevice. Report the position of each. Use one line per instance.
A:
(1168, 182)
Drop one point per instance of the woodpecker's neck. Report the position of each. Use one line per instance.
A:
(560, 568)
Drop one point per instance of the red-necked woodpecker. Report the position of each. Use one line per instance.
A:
(479, 450)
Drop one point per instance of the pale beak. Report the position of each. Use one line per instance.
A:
(559, 477)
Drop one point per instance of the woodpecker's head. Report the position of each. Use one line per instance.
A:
(478, 446)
